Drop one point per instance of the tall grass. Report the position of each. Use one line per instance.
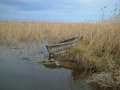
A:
(98, 50)
(100, 45)
(24, 31)
(97, 39)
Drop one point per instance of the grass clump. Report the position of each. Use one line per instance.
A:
(100, 55)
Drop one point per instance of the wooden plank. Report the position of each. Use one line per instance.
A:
(62, 44)
(60, 48)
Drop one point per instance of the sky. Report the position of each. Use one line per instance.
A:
(58, 10)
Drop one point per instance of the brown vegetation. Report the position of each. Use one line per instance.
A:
(100, 54)
(18, 31)
(98, 51)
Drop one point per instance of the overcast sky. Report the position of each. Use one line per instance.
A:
(57, 10)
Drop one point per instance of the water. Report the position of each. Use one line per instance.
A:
(19, 70)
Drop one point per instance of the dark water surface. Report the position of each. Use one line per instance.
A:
(19, 70)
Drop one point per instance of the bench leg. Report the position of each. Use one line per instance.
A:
(50, 56)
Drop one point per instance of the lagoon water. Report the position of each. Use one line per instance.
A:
(20, 70)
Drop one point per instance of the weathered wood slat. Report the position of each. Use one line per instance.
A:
(61, 47)
(62, 44)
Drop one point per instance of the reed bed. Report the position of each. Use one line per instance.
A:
(24, 31)
(99, 53)
(98, 50)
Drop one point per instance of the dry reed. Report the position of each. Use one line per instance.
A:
(99, 49)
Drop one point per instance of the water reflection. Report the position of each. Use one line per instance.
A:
(78, 77)
(76, 72)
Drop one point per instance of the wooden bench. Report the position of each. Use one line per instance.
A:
(61, 47)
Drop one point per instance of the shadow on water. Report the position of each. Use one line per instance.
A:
(76, 71)
(78, 75)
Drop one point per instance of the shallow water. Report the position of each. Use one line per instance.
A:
(19, 70)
